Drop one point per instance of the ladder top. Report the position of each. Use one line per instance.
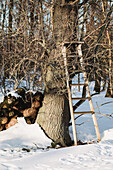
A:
(72, 42)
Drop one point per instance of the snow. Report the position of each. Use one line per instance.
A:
(25, 147)
(13, 93)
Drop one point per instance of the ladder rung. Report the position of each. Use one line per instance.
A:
(79, 84)
(80, 98)
(73, 56)
(73, 42)
(84, 112)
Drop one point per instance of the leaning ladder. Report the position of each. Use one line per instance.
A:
(88, 94)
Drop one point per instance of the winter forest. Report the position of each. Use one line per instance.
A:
(34, 78)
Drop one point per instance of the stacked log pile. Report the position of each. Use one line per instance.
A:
(25, 104)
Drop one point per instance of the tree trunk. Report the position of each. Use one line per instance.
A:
(54, 118)
(64, 21)
(10, 25)
(54, 115)
(97, 83)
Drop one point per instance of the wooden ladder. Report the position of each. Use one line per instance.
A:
(87, 89)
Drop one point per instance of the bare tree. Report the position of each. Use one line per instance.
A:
(35, 32)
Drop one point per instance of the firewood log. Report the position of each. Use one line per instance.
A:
(12, 122)
(31, 119)
(38, 96)
(35, 104)
(18, 112)
(3, 120)
(4, 112)
(11, 113)
(1, 127)
(28, 121)
(19, 103)
(29, 112)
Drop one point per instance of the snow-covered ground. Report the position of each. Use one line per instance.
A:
(24, 147)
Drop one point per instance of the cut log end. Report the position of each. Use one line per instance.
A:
(3, 120)
(12, 122)
(29, 112)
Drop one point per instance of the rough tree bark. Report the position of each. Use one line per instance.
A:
(54, 118)
(54, 115)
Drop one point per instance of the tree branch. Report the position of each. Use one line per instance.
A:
(80, 101)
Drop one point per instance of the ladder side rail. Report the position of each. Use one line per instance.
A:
(69, 95)
(88, 92)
